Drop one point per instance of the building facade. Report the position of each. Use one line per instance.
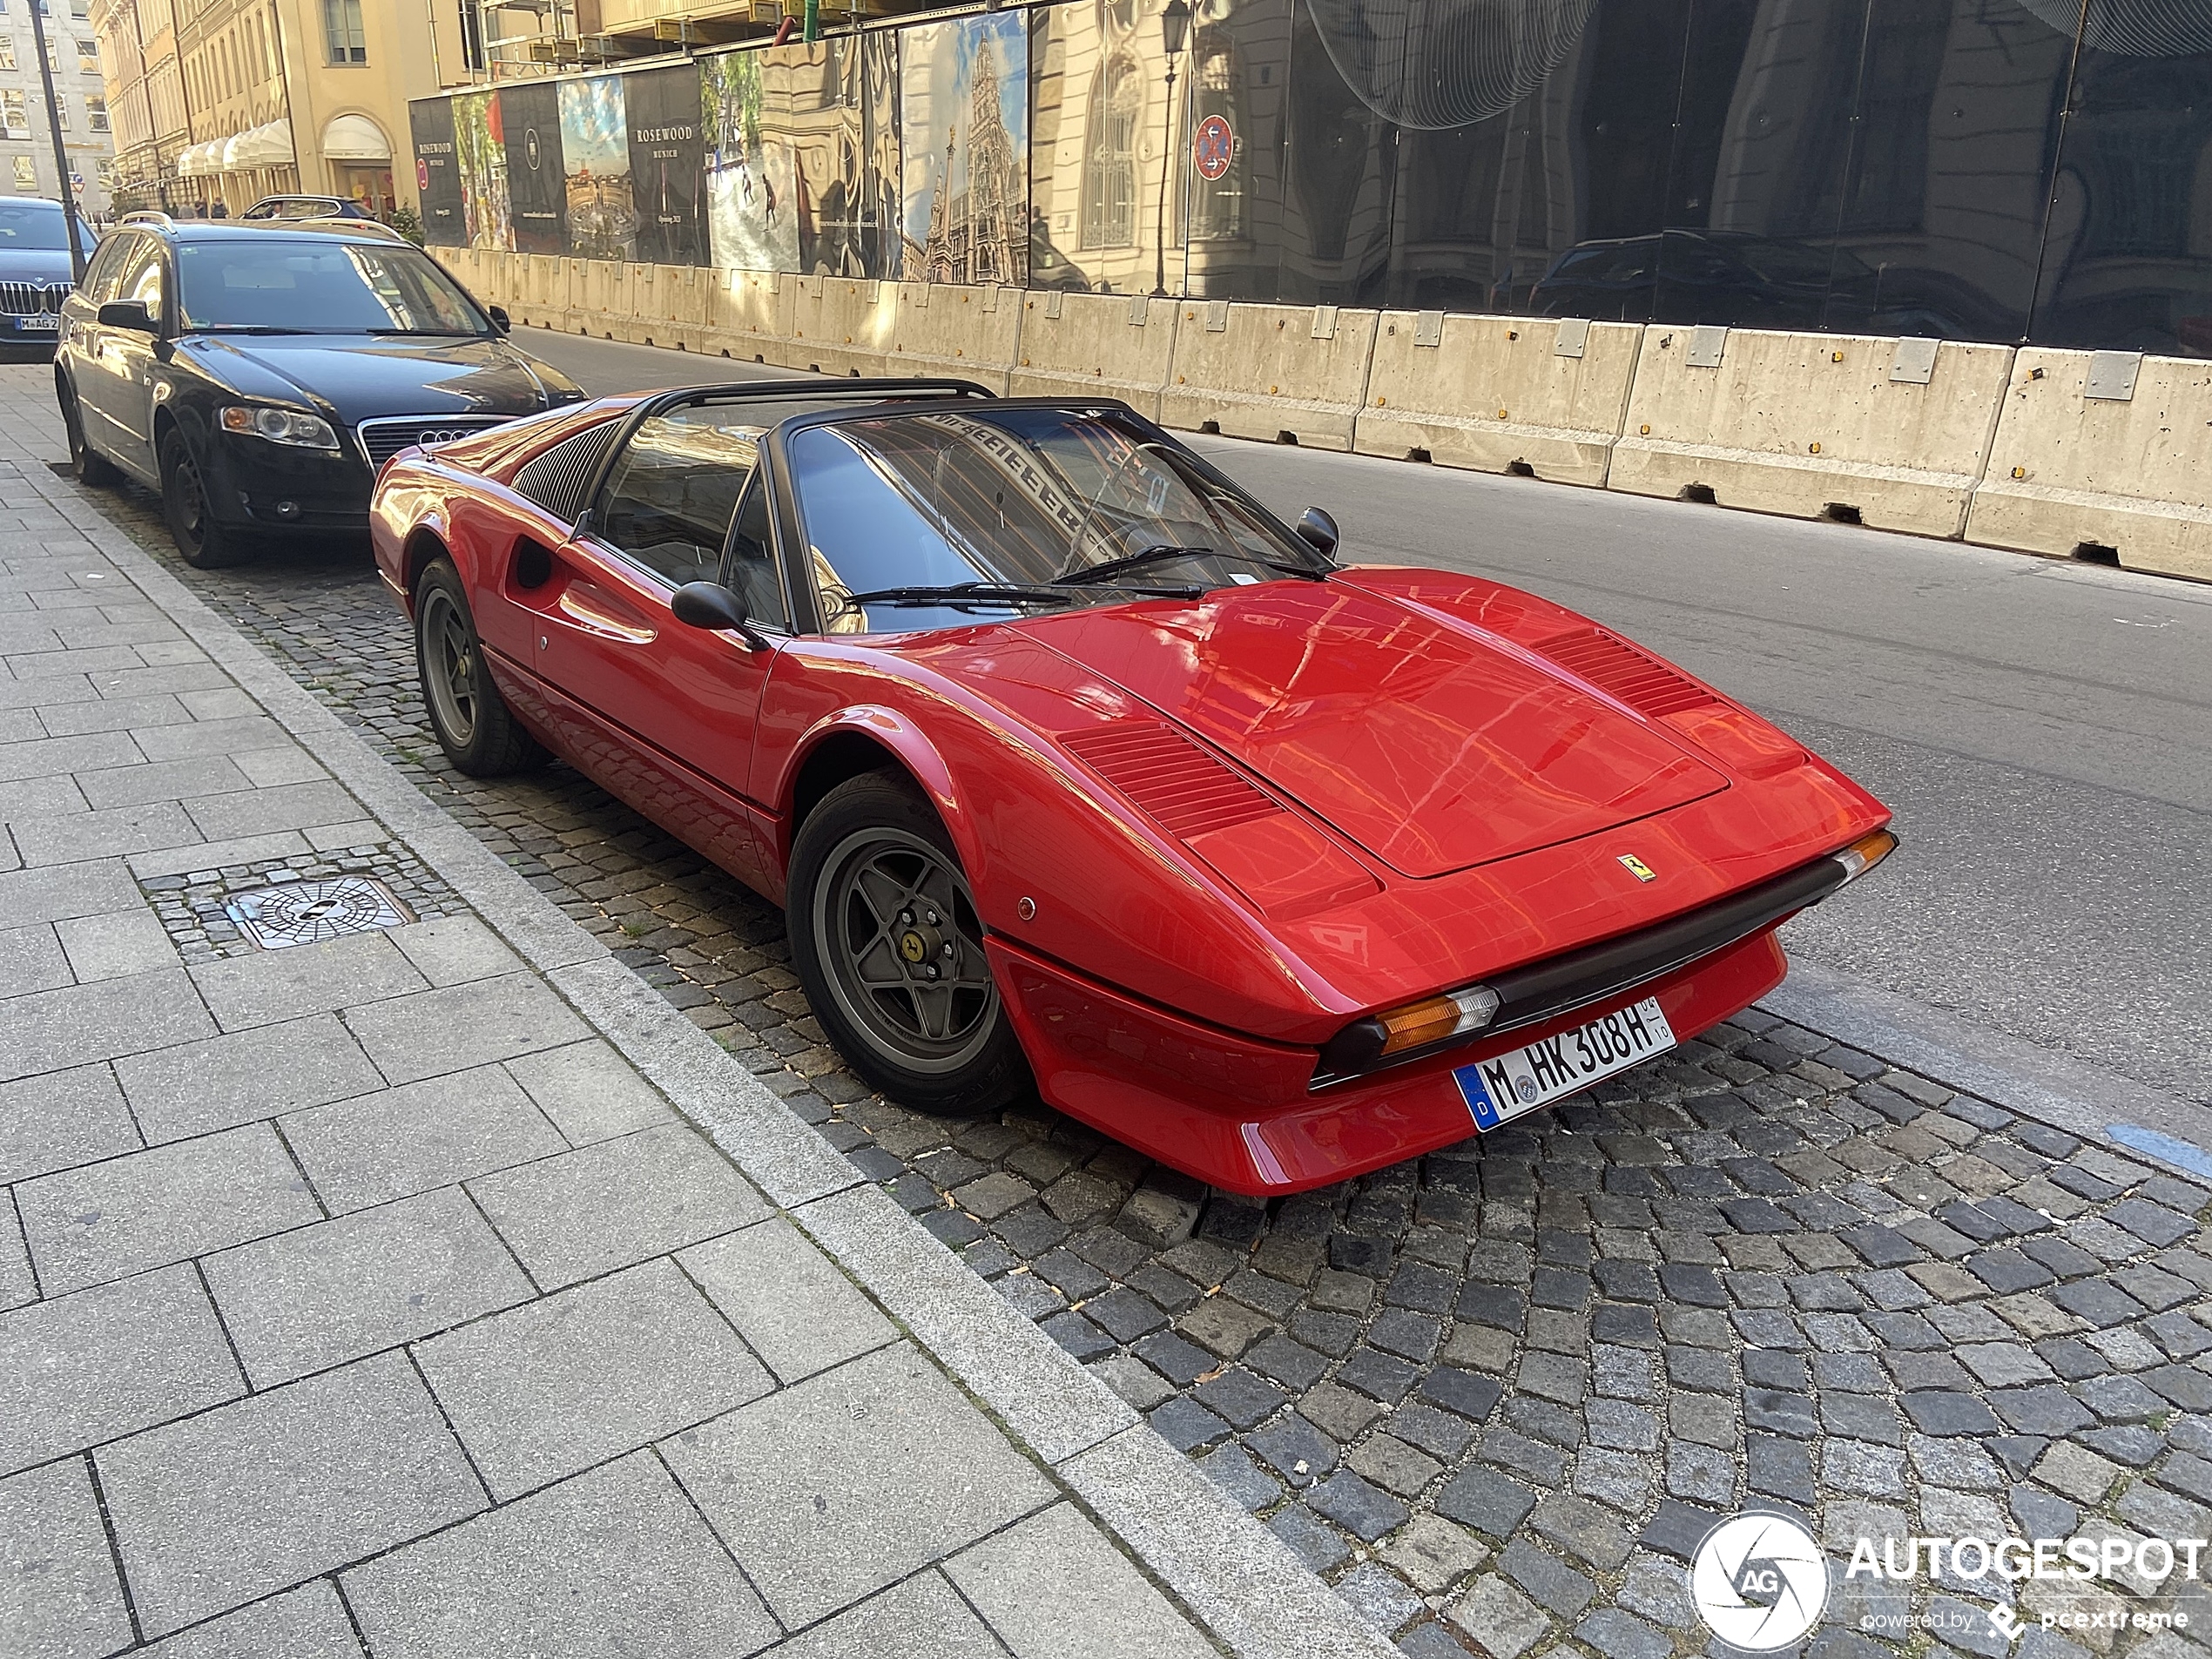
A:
(80, 93)
(225, 101)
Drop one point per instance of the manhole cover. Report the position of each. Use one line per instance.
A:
(303, 913)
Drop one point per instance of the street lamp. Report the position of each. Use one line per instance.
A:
(1175, 24)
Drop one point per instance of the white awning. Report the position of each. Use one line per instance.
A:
(267, 146)
(354, 138)
(198, 160)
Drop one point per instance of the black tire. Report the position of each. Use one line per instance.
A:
(205, 544)
(474, 725)
(876, 899)
(87, 465)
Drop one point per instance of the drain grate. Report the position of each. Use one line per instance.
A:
(305, 913)
(201, 910)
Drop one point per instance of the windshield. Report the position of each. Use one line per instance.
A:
(271, 284)
(31, 227)
(1088, 506)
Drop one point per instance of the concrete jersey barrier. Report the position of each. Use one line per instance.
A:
(1532, 395)
(1286, 373)
(2105, 454)
(1091, 344)
(1889, 432)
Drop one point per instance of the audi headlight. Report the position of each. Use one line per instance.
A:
(280, 426)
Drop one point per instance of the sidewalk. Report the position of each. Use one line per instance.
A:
(372, 1293)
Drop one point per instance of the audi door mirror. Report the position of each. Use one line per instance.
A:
(1317, 530)
(127, 313)
(500, 319)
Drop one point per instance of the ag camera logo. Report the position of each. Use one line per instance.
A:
(1759, 1581)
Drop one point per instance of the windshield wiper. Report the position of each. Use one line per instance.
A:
(1167, 551)
(960, 596)
(250, 328)
(442, 334)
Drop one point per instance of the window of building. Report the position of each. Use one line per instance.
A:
(14, 119)
(1110, 155)
(341, 26)
(53, 53)
(26, 173)
(61, 112)
(96, 114)
(7, 51)
(88, 57)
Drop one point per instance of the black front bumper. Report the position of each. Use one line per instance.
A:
(253, 483)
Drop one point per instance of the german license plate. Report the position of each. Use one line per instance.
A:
(1510, 1084)
(45, 320)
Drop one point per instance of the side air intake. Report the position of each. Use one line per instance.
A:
(1615, 666)
(1176, 784)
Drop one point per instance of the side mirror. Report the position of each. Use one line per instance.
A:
(1318, 531)
(711, 606)
(500, 319)
(127, 313)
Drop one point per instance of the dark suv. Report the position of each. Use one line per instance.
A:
(257, 374)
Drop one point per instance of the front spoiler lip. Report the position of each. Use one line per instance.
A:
(1560, 984)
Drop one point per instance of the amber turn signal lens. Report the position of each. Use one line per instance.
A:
(1863, 854)
(1434, 1018)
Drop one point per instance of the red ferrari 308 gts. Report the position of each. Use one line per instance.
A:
(1069, 762)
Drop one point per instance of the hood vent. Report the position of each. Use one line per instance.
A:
(1619, 669)
(1183, 789)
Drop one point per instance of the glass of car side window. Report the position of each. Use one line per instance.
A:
(669, 503)
(750, 573)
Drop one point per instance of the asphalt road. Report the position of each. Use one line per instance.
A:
(2042, 730)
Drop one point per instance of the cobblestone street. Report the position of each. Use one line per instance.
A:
(1496, 1396)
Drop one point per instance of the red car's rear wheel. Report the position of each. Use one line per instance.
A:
(887, 942)
(473, 724)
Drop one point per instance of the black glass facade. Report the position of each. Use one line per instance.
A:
(1976, 168)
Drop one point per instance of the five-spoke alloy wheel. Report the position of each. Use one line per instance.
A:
(475, 729)
(887, 942)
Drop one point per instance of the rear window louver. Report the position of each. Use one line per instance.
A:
(1619, 668)
(1176, 784)
(557, 479)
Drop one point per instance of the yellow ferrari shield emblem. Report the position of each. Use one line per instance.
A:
(1636, 867)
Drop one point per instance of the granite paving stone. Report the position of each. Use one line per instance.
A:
(614, 1203)
(224, 1081)
(588, 1090)
(223, 1508)
(791, 1484)
(58, 1594)
(318, 1296)
(791, 1303)
(612, 1562)
(144, 1209)
(922, 1617)
(80, 1370)
(455, 1027)
(1052, 1588)
(309, 1622)
(61, 1119)
(373, 1148)
(551, 1387)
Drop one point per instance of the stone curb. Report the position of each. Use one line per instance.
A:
(1227, 1567)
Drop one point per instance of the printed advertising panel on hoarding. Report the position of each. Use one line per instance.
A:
(667, 164)
(530, 115)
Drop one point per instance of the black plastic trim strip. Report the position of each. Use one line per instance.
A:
(1558, 985)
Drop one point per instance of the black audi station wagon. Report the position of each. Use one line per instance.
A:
(258, 374)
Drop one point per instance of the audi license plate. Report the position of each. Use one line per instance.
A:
(45, 320)
(1510, 1084)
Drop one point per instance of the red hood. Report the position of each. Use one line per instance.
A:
(1433, 747)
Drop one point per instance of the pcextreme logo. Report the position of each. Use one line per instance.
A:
(1759, 1581)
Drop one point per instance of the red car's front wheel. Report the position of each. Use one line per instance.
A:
(887, 940)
